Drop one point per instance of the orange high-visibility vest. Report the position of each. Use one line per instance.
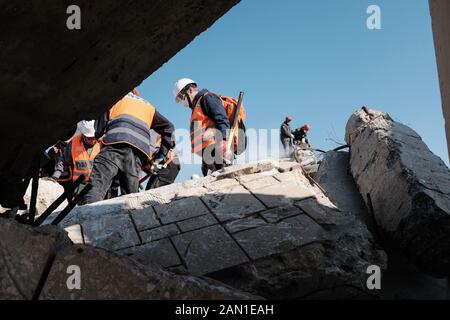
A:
(203, 129)
(130, 122)
(82, 161)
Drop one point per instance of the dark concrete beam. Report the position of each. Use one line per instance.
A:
(440, 14)
(52, 77)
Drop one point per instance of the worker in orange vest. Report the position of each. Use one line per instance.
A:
(78, 156)
(125, 131)
(209, 124)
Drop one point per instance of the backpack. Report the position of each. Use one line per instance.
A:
(240, 139)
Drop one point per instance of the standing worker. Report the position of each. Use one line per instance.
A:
(209, 124)
(286, 135)
(78, 156)
(126, 128)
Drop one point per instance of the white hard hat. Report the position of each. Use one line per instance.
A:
(180, 85)
(87, 128)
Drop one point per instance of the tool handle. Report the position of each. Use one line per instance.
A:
(234, 125)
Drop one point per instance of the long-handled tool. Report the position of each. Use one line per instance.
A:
(234, 125)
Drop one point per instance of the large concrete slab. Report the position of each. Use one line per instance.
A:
(406, 186)
(24, 254)
(231, 204)
(284, 236)
(282, 194)
(112, 232)
(161, 253)
(107, 276)
(181, 210)
(208, 250)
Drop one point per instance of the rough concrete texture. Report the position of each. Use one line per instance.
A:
(401, 280)
(48, 192)
(35, 263)
(24, 255)
(46, 68)
(407, 186)
(440, 13)
(260, 220)
(335, 177)
(120, 278)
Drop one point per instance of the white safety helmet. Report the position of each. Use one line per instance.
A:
(87, 128)
(180, 85)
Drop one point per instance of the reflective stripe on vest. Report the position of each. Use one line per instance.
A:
(82, 161)
(203, 130)
(130, 122)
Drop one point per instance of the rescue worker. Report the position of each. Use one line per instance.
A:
(286, 135)
(209, 124)
(126, 128)
(301, 135)
(78, 156)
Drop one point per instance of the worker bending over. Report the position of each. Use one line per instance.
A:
(126, 139)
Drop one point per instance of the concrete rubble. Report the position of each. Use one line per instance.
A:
(406, 187)
(261, 228)
(48, 192)
(35, 264)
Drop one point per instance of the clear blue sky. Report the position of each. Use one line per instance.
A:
(317, 61)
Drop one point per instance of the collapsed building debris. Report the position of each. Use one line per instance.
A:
(35, 263)
(406, 187)
(261, 228)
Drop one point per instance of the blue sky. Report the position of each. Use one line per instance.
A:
(314, 60)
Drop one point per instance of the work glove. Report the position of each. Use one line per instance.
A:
(225, 152)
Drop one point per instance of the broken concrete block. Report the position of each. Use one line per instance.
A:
(181, 210)
(285, 236)
(241, 170)
(323, 215)
(112, 232)
(159, 233)
(75, 234)
(334, 176)
(24, 254)
(208, 250)
(231, 204)
(107, 276)
(48, 192)
(197, 223)
(245, 224)
(282, 194)
(161, 253)
(278, 214)
(407, 186)
(260, 183)
(332, 266)
(145, 219)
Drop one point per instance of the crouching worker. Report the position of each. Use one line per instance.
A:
(126, 128)
(162, 174)
(77, 158)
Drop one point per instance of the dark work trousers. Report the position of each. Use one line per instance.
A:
(210, 161)
(164, 177)
(112, 160)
